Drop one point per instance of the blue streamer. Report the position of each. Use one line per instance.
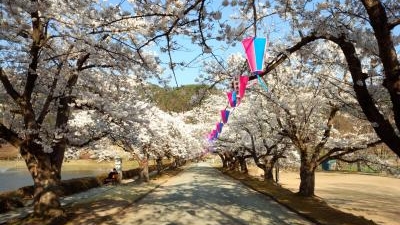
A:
(262, 84)
(234, 98)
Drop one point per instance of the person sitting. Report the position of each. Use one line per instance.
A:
(112, 177)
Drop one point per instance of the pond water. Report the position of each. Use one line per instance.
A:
(14, 178)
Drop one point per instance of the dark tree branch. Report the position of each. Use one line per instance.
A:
(281, 57)
(37, 38)
(253, 5)
(327, 132)
(9, 88)
(381, 125)
(49, 97)
(336, 153)
(174, 24)
(81, 61)
(90, 140)
(96, 66)
(394, 23)
(203, 39)
(171, 64)
(10, 136)
(349, 160)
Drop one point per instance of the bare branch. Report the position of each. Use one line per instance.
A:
(253, 4)
(327, 132)
(49, 98)
(394, 23)
(96, 66)
(346, 150)
(10, 136)
(37, 38)
(90, 140)
(281, 57)
(174, 24)
(9, 88)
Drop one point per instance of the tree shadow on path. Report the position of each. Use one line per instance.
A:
(202, 195)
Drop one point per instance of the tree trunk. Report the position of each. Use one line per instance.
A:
(307, 179)
(268, 168)
(268, 174)
(159, 165)
(277, 171)
(178, 161)
(243, 165)
(224, 163)
(46, 178)
(234, 165)
(144, 173)
(174, 164)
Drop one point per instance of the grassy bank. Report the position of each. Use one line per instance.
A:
(77, 165)
(87, 164)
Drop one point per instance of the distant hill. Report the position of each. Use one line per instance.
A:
(179, 99)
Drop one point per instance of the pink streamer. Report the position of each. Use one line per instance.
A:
(224, 115)
(232, 101)
(242, 86)
(248, 45)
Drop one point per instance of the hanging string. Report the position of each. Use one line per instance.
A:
(261, 82)
(254, 17)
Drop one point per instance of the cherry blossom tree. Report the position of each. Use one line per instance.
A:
(47, 47)
(305, 100)
(56, 52)
(365, 33)
(253, 136)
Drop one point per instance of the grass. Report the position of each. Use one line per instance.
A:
(312, 208)
(87, 164)
(12, 164)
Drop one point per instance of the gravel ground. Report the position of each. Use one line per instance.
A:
(373, 197)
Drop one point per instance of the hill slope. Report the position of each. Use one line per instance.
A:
(179, 99)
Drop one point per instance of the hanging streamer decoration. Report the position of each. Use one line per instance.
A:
(255, 49)
(242, 86)
(215, 134)
(219, 127)
(232, 98)
(210, 137)
(224, 115)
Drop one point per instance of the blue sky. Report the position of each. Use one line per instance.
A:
(187, 75)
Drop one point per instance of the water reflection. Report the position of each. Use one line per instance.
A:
(14, 178)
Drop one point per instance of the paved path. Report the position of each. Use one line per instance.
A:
(202, 195)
